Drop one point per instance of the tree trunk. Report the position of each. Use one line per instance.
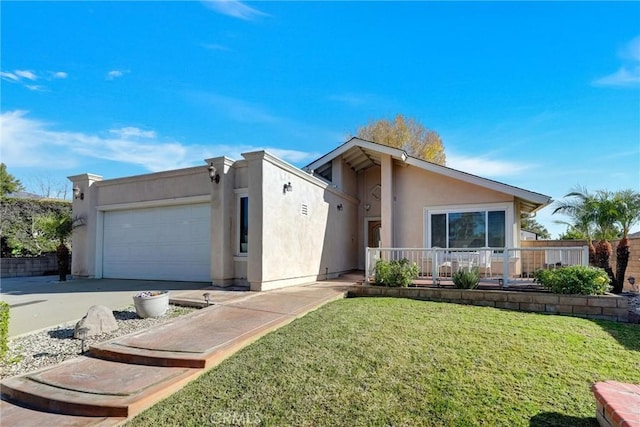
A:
(603, 260)
(62, 253)
(622, 260)
(592, 253)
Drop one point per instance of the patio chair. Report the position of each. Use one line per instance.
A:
(466, 260)
(484, 261)
(442, 261)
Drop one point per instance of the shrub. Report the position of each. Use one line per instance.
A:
(575, 279)
(20, 235)
(4, 328)
(395, 273)
(466, 279)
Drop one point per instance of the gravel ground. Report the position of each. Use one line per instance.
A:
(52, 346)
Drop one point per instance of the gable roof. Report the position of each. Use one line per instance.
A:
(360, 154)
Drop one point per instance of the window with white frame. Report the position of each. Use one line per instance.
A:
(467, 228)
(243, 224)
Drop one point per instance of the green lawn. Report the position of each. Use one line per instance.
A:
(383, 361)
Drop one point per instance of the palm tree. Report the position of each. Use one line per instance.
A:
(59, 226)
(627, 204)
(607, 215)
(578, 205)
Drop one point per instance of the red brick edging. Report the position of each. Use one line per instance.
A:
(618, 404)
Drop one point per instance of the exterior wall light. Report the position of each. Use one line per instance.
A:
(213, 174)
(287, 188)
(77, 194)
(340, 207)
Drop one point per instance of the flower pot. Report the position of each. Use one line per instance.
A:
(151, 304)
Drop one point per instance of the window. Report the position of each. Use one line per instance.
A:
(243, 224)
(468, 229)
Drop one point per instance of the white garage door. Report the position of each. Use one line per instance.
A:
(164, 243)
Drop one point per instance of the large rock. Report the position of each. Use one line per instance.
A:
(98, 320)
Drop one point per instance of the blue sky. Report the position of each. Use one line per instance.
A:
(544, 96)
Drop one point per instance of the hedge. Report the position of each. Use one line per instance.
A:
(4, 328)
(17, 231)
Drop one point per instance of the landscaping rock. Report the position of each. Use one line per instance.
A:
(98, 320)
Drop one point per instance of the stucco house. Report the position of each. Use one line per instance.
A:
(262, 221)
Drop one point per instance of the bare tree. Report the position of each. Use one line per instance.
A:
(51, 187)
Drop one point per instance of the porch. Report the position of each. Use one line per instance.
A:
(499, 268)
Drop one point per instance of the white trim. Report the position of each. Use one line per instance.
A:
(195, 170)
(192, 200)
(483, 207)
(535, 198)
(396, 153)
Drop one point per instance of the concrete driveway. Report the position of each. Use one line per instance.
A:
(41, 302)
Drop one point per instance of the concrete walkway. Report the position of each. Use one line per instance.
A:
(122, 377)
(42, 302)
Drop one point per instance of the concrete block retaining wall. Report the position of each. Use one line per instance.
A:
(28, 266)
(606, 307)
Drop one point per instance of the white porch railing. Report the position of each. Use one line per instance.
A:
(504, 266)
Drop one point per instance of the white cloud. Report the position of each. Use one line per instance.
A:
(349, 99)
(214, 46)
(27, 142)
(9, 76)
(629, 73)
(36, 88)
(26, 77)
(26, 74)
(235, 108)
(114, 74)
(234, 9)
(622, 77)
(486, 167)
(133, 132)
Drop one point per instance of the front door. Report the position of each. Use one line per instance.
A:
(373, 240)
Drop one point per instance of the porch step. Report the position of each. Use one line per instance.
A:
(91, 387)
(16, 415)
(198, 341)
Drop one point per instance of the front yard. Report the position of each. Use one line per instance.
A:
(385, 361)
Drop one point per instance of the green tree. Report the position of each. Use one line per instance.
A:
(8, 183)
(59, 226)
(531, 224)
(627, 205)
(572, 233)
(407, 134)
(604, 215)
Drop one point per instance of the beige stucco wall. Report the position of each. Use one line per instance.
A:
(153, 189)
(287, 247)
(415, 190)
(157, 186)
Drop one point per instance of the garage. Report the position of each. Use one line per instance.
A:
(159, 243)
